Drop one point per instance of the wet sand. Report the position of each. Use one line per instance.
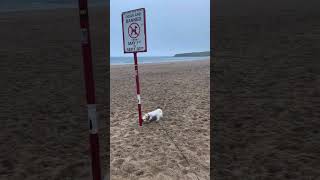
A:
(176, 147)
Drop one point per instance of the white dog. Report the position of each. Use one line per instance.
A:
(153, 115)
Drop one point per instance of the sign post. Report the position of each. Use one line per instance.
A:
(90, 89)
(134, 41)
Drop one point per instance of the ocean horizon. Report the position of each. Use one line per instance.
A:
(152, 59)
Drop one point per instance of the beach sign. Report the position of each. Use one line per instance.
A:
(134, 41)
(134, 31)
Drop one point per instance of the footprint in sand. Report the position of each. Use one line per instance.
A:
(183, 163)
(117, 162)
(129, 167)
(139, 173)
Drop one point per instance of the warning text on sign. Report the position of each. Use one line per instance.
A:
(134, 31)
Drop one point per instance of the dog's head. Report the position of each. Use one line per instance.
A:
(146, 117)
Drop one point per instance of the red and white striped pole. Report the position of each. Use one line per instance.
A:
(90, 89)
(138, 87)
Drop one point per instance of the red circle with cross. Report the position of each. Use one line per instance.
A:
(134, 30)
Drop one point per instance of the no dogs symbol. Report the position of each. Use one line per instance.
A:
(134, 30)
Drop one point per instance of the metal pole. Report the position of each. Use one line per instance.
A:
(138, 87)
(90, 89)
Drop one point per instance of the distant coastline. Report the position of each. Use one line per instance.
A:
(193, 54)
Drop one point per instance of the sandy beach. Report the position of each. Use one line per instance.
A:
(44, 130)
(177, 147)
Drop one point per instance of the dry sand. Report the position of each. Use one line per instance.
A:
(181, 89)
(44, 130)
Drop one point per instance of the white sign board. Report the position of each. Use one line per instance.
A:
(134, 31)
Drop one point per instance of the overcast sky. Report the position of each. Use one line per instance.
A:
(173, 26)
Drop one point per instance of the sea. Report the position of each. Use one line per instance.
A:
(153, 59)
(21, 5)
